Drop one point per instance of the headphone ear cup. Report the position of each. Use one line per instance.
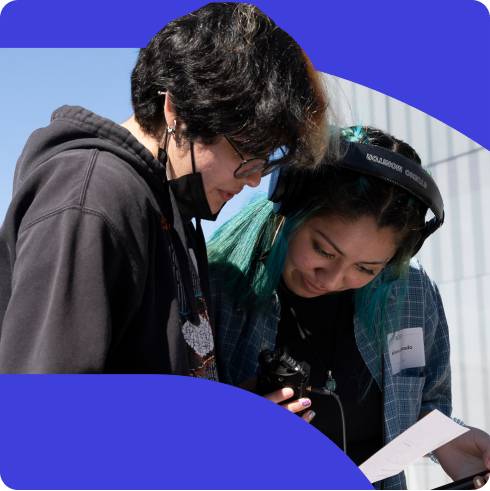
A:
(277, 188)
(274, 180)
(285, 186)
(276, 208)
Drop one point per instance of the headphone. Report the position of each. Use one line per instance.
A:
(289, 186)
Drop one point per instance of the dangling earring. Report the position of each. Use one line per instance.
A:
(163, 146)
(278, 229)
(171, 129)
(265, 255)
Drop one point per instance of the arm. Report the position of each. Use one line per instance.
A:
(67, 280)
(469, 453)
(437, 388)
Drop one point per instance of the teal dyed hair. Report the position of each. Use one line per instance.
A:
(252, 246)
(371, 301)
(250, 249)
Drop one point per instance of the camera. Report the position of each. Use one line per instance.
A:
(278, 370)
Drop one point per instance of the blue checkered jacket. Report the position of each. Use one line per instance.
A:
(408, 395)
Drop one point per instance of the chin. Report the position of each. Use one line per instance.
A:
(217, 208)
(304, 294)
(215, 204)
(300, 291)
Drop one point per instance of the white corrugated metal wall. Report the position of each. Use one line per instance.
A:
(457, 257)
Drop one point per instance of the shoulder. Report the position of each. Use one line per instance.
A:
(419, 281)
(412, 299)
(415, 283)
(126, 182)
(87, 183)
(417, 300)
(115, 189)
(119, 194)
(81, 178)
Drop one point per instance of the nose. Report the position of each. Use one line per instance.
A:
(253, 180)
(331, 279)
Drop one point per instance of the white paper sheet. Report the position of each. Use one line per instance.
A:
(431, 432)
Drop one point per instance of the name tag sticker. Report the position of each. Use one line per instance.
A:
(406, 349)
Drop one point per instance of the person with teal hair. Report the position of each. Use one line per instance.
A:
(329, 280)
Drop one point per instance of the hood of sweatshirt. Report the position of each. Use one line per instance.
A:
(73, 127)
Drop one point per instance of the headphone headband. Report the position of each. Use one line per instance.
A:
(288, 184)
(395, 168)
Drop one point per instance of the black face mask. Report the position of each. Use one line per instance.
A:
(189, 192)
(191, 197)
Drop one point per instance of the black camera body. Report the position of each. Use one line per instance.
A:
(278, 370)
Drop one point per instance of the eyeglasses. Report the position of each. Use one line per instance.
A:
(251, 166)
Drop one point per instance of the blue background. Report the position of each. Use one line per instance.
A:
(432, 55)
(154, 432)
(61, 432)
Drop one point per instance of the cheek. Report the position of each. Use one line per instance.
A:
(358, 280)
(207, 171)
(355, 283)
(218, 177)
(213, 179)
(298, 257)
(207, 161)
(306, 263)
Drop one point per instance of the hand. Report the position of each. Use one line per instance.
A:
(480, 481)
(465, 455)
(295, 406)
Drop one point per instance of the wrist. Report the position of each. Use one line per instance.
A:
(436, 454)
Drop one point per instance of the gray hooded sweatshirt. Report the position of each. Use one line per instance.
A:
(86, 274)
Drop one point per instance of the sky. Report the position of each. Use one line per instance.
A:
(34, 82)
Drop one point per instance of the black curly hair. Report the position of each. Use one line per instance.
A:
(230, 70)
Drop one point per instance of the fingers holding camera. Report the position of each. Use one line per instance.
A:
(298, 405)
(309, 415)
(301, 405)
(280, 395)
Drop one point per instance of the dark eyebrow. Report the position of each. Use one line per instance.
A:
(327, 239)
(319, 232)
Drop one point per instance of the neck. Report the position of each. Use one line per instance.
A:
(178, 158)
(146, 140)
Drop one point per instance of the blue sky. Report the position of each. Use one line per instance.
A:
(34, 82)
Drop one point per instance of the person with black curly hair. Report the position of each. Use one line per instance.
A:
(102, 267)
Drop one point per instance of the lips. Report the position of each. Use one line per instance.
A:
(226, 195)
(311, 288)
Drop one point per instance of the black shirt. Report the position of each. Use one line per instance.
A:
(321, 331)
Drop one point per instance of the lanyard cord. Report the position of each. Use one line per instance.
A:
(192, 266)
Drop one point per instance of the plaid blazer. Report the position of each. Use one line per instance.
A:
(408, 394)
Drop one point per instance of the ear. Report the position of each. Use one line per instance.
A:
(169, 110)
